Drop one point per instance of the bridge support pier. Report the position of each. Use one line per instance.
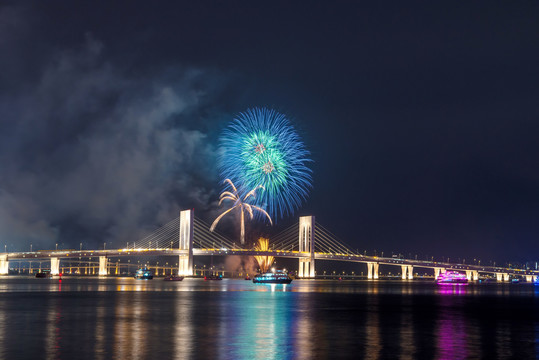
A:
(403, 270)
(306, 245)
(472, 275)
(499, 276)
(55, 266)
(372, 270)
(505, 277)
(185, 267)
(103, 266)
(437, 272)
(530, 278)
(4, 265)
(407, 270)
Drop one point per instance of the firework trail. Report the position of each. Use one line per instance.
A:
(261, 148)
(240, 203)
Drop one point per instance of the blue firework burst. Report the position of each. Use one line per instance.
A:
(260, 147)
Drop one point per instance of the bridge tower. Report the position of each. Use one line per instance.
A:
(306, 244)
(186, 243)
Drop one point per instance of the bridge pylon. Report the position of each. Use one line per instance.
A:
(306, 245)
(186, 243)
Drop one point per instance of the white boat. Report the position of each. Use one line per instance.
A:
(277, 277)
(143, 274)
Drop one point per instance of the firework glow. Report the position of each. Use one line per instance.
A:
(264, 262)
(261, 148)
(241, 204)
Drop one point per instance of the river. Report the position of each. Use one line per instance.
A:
(124, 318)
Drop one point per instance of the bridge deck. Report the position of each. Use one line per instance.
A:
(47, 254)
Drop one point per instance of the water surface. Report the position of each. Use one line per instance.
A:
(124, 318)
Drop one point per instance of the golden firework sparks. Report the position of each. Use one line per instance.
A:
(264, 262)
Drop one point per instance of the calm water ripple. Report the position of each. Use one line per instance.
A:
(123, 318)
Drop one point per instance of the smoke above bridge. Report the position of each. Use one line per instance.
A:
(91, 154)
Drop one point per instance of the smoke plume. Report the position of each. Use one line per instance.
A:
(92, 153)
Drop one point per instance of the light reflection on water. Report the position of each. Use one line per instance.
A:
(407, 336)
(122, 318)
(451, 331)
(373, 335)
(2, 331)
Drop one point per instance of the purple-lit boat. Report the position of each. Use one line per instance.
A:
(452, 278)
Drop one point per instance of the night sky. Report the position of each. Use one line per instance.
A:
(421, 118)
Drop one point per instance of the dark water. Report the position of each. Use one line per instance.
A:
(123, 318)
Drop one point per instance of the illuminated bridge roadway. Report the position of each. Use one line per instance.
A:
(308, 243)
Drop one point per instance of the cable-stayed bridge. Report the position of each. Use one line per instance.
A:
(188, 236)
